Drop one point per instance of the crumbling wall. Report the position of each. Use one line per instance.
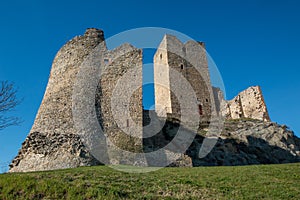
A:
(53, 142)
(54, 116)
(125, 132)
(248, 104)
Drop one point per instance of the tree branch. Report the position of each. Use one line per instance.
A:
(8, 101)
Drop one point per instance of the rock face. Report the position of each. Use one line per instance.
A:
(245, 142)
(242, 142)
(55, 141)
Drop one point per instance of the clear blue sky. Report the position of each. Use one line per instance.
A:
(252, 42)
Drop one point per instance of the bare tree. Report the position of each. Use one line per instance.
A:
(8, 101)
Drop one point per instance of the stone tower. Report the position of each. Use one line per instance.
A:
(190, 61)
(54, 142)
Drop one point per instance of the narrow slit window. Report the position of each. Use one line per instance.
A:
(200, 109)
(181, 66)
(127, 122)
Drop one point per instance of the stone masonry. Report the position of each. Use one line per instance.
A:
(248, 104)
(189, 60)
(118, 65)
(54, 141)
(54, 117)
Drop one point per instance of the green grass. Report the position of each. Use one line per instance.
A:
(100, 182)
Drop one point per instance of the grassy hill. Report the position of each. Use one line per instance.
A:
(101, 182)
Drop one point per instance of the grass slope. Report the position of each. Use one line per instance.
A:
(243, 182)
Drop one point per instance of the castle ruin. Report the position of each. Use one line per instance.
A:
(53, 142)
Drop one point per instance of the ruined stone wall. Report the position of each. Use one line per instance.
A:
(248, 104)
(184, 59)
(126, 133)
(198, 75)
(53, 142)
(55, 113)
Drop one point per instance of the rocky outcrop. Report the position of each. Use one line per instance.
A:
(242, 142)
(245, 142)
